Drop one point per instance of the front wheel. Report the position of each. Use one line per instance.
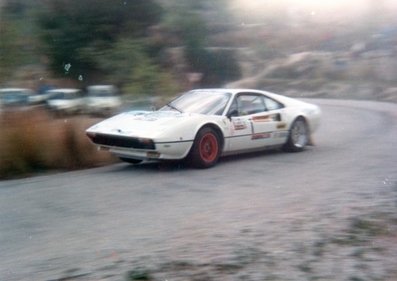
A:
(206, 150)
(298, 136)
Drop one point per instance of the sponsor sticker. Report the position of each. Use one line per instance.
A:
(261, 136)
(262, 118)
(282, 125)
(266, 118)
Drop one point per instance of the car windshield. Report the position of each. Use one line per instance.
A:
(63, 96)
(100, 93)
(202, 102)
(13, 97)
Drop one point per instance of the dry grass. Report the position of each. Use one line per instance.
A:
(31, 140)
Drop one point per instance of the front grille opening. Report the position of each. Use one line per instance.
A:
(121, 141)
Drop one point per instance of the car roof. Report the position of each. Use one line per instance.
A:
(63, 90)
(235, 91)
(101, 87)
(15, 90)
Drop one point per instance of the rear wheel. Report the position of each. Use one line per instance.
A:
(298, 137)
(206, 149)
(130, 160)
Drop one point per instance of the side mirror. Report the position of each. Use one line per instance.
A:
(233, 113)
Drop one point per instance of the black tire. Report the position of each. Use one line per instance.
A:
(298, 137)
(206, 149)
(130, 160)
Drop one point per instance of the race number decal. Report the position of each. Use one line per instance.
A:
(239, 124)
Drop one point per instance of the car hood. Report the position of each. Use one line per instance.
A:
(103, 101)
(148, 124)
(62, 103)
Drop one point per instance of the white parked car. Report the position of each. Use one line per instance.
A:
(102, 100)
(10, 97)
(65, 101)
(202, 125)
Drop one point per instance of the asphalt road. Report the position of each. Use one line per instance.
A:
(262, 216)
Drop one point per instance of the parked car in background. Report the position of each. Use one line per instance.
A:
(39, 98)
(65, 101)
(102, 100)
(11, 97)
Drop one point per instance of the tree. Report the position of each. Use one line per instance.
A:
(127, 64)
(18, 45)
(8, 49)
(70, 28)
(190, 21)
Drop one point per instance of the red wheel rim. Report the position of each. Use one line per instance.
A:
(208, 147)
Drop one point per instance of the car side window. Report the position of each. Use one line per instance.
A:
(272, 104)
(233, 110)
(247, 104)
(250, 104)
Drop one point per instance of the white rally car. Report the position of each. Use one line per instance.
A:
(202, 125)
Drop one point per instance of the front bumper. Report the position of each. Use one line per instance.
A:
(162, 151)
(141, 148)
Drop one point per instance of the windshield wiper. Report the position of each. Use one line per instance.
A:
(173, 107)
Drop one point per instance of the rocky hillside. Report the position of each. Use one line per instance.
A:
(366, 75)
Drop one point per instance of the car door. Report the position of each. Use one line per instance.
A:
(256, 121)
(269, 126)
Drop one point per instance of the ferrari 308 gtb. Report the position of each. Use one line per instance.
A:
(202, 125)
